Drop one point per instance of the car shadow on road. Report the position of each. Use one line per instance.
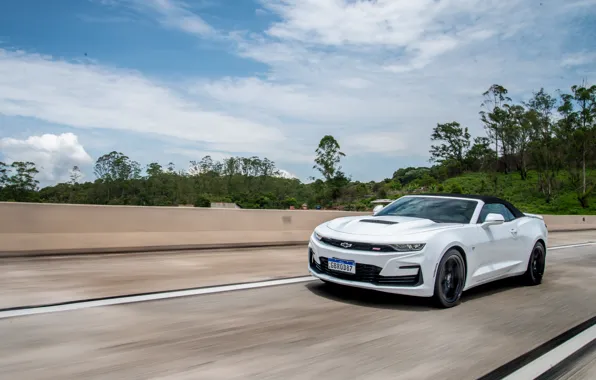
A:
(491, 288)
(368, 298)
(379, 300)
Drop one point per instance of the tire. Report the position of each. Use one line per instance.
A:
(450, 281)
(536, 265)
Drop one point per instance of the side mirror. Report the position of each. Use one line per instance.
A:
(377, 209)
(493, 220)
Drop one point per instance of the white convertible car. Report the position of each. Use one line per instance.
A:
(431, 246)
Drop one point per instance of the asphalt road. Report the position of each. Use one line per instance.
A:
(304, 331)
(32, 281)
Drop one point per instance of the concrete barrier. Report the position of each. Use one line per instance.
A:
(571, 220)
(42, 228)
(51, 228)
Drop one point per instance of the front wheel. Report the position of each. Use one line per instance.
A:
(451, 277)
(536, 265)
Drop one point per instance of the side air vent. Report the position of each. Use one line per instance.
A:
(378, 221)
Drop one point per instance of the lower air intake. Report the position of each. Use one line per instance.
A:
(366, 273)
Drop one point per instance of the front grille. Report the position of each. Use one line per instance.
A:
(358, 246)
(366, 273)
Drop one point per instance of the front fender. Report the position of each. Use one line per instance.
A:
(441, 243)
(461, 239)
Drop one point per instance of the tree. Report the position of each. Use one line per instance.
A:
(171, 168)
(231, 166)
(75, 175)
(23, 178)
(201, 201)
(206, 164)
(116, 166)
(479, 156)
(336, 184)
(406, 175)
(154, 169)
(328, 156)
(570, 143)
(268, 168)
(577, 130)
(4, 169)
(493, 121)
(586, 100)
(456, 142)
(17, 181)
(544, 144)
(518, 133)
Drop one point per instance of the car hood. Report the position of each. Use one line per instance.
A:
(386, 225)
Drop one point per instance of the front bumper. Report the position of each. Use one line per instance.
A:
(398, 273)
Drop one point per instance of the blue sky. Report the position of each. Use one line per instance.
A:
(174, 80)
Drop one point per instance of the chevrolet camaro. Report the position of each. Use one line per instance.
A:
(431, 246)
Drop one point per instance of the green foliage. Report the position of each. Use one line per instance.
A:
(18, 183)
(454, 147)
(116, 166)
(455, 188)
(328, 156)
(202, 201)
(526, 197)
(75, 175)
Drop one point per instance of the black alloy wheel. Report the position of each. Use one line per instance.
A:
(451, 277)
(536, 265)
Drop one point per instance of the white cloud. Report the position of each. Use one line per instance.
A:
(425, 51)
(381, 142)
(261, 12)
(397, 67)
(175, 14)
(288, 100)
(378, 75)
(354, 83)
(579, 59)
(286, 174)
(382, 22)
(197, 155)
(92, 96)
(54, 155)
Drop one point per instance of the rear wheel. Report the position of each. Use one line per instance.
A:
(451, 277)
(536, 265)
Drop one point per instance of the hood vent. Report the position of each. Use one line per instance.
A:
(378, 221)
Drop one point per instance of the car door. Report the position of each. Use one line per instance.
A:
(500, 243)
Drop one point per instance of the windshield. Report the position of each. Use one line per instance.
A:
(439, 210)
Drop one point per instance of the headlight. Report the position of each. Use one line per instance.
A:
(407, 247)
(317, 236)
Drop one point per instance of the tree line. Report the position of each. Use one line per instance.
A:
(547, 142)
(551, 135)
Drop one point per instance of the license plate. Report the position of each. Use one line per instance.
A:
(339, 265)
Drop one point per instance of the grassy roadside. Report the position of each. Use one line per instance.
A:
(526, 195)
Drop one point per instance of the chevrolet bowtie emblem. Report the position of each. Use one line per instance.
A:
(346, 245)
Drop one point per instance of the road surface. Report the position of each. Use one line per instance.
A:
(301, 331)
(33, 281)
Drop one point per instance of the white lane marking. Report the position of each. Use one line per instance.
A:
(570, 246)
(553, 357)
(151, 297)
(181, 293)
